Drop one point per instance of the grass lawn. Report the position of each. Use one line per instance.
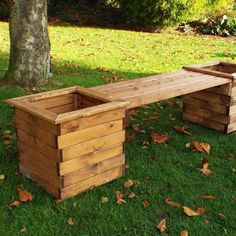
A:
(81, 57)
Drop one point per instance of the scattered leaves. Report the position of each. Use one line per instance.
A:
(189, 212)
(208, 197)
(159, 138)
(132, 195)
(204, 170)
(162, 226)
(70, 221)
(173, 104)
(201, 147)
(129, 183)
(104, 200)
(182, 129)
(13, 204)
(146, 203)
(119, 198)
(24, 196)
(171, 203)
(184, 233)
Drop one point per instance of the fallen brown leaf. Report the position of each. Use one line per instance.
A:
(184, 233)
(2, 177)
(6, 142)
(201, 210)
(208, 197)
(182, 129)
(146, 203)
(132, 195)
(221, 215)
(129, 137)
(159, 106)
(129, 183)
(162, 226)
(135, 128)
(23, 229)
(171, 203)
(159, 138)
(24, 196)
(201, 147)
(204, 170)
(207, 222)
(189, 212)
(173, 104)
(119, 198)
(13, 204)
(70, 221)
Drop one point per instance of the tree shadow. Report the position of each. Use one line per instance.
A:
(227, 55)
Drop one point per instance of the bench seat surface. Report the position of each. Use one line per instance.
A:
(160, 87)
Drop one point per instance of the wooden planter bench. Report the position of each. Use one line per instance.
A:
(72, 139)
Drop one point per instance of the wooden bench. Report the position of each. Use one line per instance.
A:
(72, 139)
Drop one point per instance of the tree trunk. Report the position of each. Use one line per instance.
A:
(29, 61)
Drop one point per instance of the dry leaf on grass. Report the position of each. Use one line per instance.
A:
(207, 222)
(119, 198)
(208, 197)
(184, 233)
(189, 212)
(159, 106)
(129, 183)
(24, 196)
(2, 177)
(159, 138)
(23, 229)
(173, 104)
(221, 215)
(171, 203)
(201, 147)
(132, 195)
(201, 210)
(146, 203)
(162, 226)
(129, 137)
(135, 128)
(104, 200)
(70, 221)
(205, 170)
(182, 129)
(13, 204)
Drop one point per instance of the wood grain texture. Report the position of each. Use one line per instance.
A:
(94, 132)
(89, 159)
(93, 145)
(92, 182)
(93, 170)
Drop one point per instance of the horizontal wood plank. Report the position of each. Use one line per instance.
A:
(93, 170)
(94, 132)
(93, 145)
(92, 182)
(83, 123)
(36, 132)
(89, 159)
(63, 108)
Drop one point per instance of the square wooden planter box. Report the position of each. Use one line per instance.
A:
(70, 140)
(214, 108)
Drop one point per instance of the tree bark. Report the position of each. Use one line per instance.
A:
(29, 62)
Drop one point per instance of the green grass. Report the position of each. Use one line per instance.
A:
(162, 170)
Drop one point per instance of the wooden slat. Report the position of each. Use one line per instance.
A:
(232, 110)
(63, 109)
(37, 121)
(93, 145)
(232, 118)
(231, 128)
(92, 182)
(205, 122)
(55, 101)
(83, 123)
(222, 89)
(204, 113)
(37, 132)
(94, 132)
(89, 159)
(93, 170)
(46, 150)
(31, 167)
(88, 102)
(212, 97)
(187, 99)
(86, 112)
(38, 158)
(233, 93)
